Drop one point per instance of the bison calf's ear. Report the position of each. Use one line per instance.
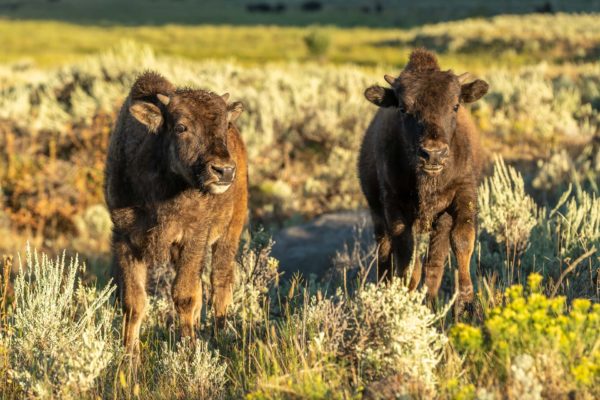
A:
(148, 114)
(234, 110)
(473, 91)
(381, 97)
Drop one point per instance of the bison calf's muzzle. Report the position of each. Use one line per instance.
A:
(223, 175)
(433, 159)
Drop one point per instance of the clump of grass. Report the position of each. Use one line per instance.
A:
(317, 42)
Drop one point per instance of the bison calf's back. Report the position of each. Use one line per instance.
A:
(176, 187)
(419, 167)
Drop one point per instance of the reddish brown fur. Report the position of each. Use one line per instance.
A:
(160, 180)
(419, 167)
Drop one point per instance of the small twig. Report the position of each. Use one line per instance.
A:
(456, 293)
(6, 269)
(374, 261)
(570, 268)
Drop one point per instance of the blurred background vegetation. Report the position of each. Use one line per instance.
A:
(346, 13)
(300, 68)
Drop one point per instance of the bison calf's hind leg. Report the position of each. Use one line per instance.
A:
(133, 281)
(403, 249)
(187, 289)
(439, 248)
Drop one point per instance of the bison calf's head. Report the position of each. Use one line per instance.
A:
(192, 126)
(427, 101)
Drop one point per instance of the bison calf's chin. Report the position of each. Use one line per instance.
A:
(419, 168)
(218, 188)
(167, 209)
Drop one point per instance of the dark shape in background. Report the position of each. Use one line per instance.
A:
(369, 13)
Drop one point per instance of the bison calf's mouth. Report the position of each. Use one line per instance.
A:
(432, 169)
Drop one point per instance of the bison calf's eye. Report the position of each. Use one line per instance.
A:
(180, 128)
(455, 108)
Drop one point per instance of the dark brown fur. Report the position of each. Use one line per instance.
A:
(176, 188)
(419, 167)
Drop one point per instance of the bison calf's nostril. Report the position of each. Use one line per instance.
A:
(228, 173)
(217, 170)
(434, 155)
(223, 173)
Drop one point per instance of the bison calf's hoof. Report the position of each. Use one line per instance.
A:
(464, 309)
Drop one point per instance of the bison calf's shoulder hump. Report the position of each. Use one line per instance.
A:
(419, 166)
(176, 187)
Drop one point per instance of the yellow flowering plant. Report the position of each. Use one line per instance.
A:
(555, 334)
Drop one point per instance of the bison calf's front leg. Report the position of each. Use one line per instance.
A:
(463, 242)
(439, 247)
(187, 289)
(403, 251)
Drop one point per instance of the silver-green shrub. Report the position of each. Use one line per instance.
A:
(60, 332)
(558, 172)
(191, 370)
(257, 273)
(506, 212)
(537, 239)
(393, 332)
(578, 226)
(326, 323)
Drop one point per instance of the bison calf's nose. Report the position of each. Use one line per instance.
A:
(434, 155)
(225, 173)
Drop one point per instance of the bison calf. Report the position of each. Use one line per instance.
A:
(176, 187)
(419, 167)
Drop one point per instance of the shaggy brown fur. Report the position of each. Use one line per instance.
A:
(176, 187)
(419, 167)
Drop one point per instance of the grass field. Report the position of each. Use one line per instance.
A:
(475, 43)
(534, 332)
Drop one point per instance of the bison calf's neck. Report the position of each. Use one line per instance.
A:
(419, 167)
(176, 187)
